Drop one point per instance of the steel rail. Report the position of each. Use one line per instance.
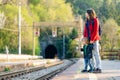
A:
(12, 74)
(53, 73)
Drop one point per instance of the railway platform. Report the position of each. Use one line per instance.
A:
(110, 71)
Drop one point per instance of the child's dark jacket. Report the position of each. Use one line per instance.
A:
(87, 50)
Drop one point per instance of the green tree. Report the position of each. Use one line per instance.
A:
(74, 33)
(72, 52)
(110, 35)
(72, 44)
(118, 13)
(9, 34)
(80, 6)
(48, 10)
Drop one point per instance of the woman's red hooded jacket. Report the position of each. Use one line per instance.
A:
(94, 30)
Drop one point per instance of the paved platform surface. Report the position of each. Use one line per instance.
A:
(17, 57)
(17, 65)
(110, 71)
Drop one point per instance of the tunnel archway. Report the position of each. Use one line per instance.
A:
(50, 52)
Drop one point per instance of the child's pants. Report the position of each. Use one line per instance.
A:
(88, 63)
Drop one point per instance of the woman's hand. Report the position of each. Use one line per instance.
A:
(91, 42)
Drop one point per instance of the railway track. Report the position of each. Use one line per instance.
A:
(49, 75)
(14, 75)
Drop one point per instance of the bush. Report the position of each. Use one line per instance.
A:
(6, 69)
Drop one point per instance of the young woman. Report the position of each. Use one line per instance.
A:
(91, 31)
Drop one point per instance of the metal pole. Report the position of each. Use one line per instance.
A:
(19, 29)
(33, 40)
(7, 52)
(63, 44)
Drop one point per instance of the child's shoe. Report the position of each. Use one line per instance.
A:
(84, 70)
(90, 70)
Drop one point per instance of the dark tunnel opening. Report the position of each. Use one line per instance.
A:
(50, 52)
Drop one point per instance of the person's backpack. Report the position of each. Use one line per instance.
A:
(100, 30)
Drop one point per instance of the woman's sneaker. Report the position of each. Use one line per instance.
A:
(84, 71)
(97, 70)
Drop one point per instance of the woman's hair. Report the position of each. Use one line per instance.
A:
(91, 13)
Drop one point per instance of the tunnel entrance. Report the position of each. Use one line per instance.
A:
(50, 52)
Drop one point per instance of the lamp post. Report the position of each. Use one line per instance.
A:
(63, 45)
(19, 28)
(33, 40)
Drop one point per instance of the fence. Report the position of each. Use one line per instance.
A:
(111, 55)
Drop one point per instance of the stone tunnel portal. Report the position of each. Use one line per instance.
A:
(50, 52)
